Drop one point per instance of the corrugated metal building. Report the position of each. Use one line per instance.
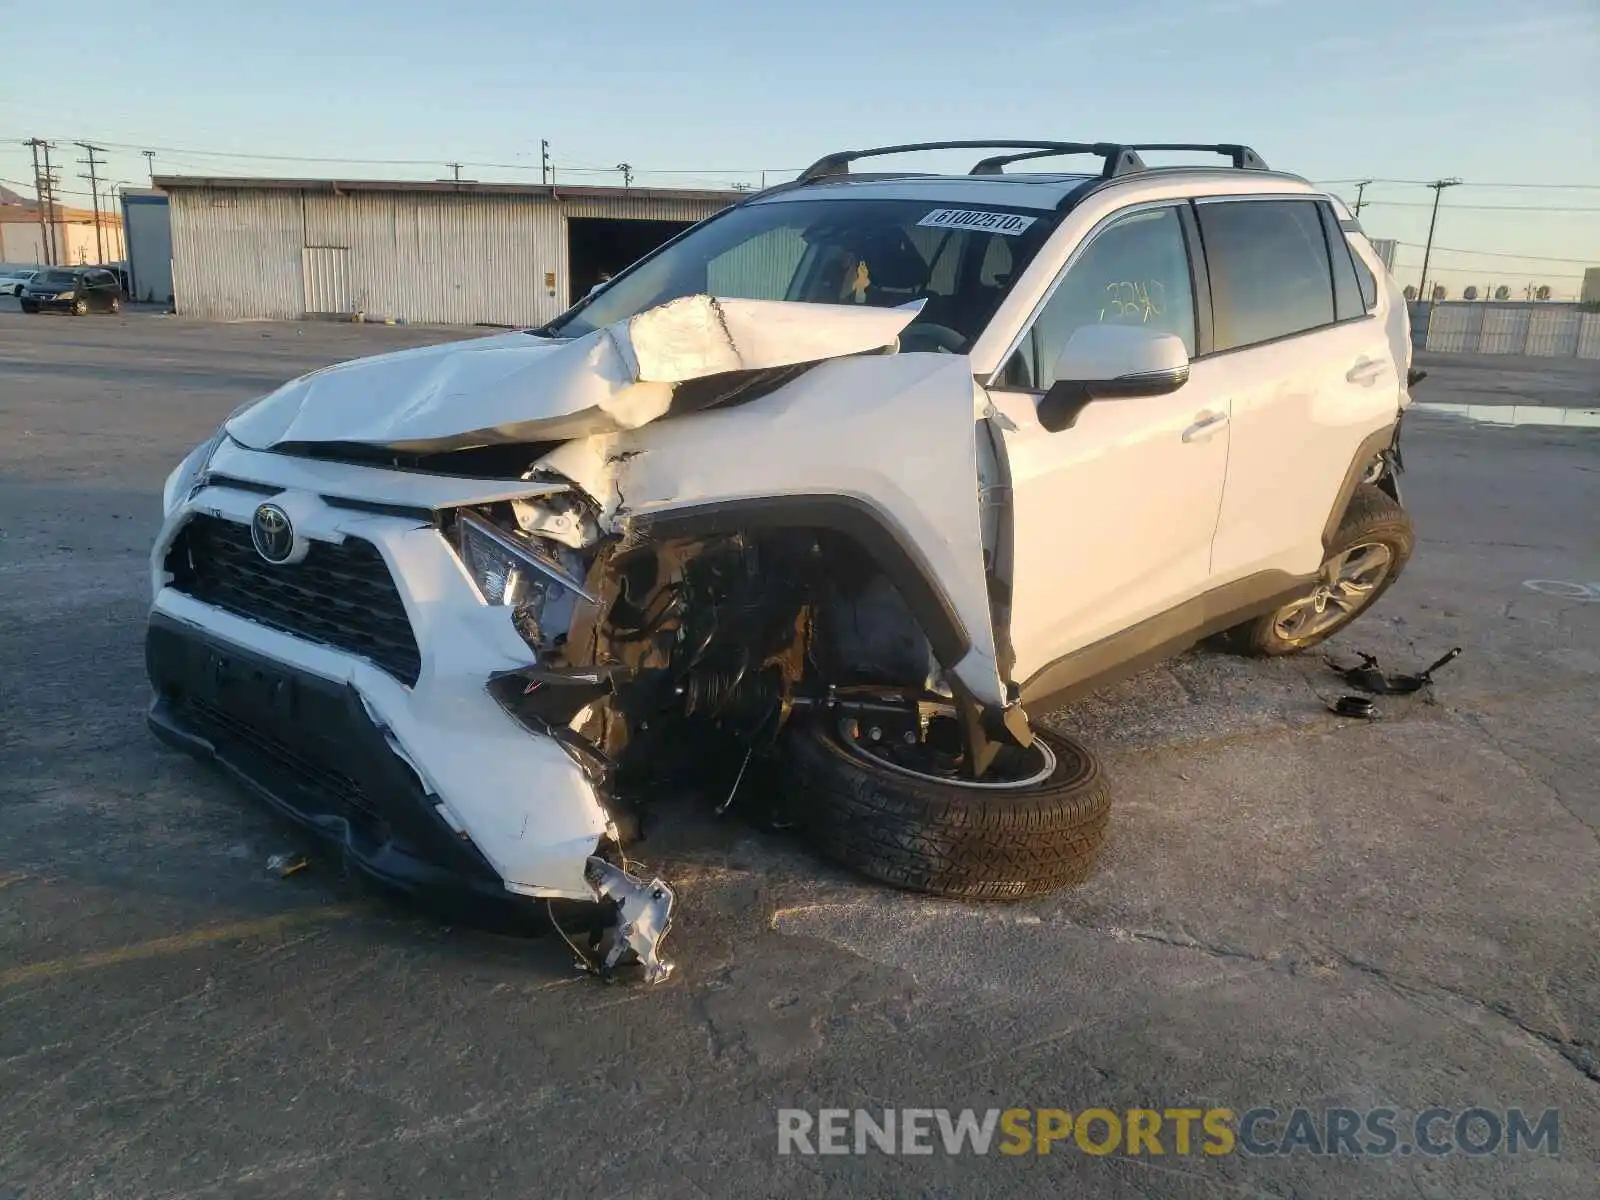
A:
(444, 253)
(148, 225)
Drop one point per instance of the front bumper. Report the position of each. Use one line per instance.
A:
(309, 748)
(515, 796)
(50, 305)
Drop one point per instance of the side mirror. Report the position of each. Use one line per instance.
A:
(1112, 362)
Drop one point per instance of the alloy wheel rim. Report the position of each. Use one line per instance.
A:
(1346, 585)
(1033, 765)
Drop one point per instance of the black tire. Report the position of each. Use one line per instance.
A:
(1372, 516)
(941, 838)
(29, 308)
(114, 305)
(80, 308)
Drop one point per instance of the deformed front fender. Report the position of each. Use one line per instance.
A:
(881, 448)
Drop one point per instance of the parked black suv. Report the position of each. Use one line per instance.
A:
(77, 290)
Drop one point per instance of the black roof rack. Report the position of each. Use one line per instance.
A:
(1116, 158)
(1244, 158)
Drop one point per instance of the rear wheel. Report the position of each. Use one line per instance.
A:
(114, 305)
(904, 816)
(1367, 554)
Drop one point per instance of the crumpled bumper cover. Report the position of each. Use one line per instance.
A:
(308, 747)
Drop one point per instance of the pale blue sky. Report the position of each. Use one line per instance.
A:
(1391, 89)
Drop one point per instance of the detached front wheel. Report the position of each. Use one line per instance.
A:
(903, 815)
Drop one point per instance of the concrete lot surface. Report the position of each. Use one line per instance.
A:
(1294, 909)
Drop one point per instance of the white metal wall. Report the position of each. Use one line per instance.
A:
(21, 243)
(423, 257)
(1557, 331)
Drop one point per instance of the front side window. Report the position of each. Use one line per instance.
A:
(1135, 271)
(1270, 275)
(877, 252)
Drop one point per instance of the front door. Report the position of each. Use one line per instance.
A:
(1114, 516)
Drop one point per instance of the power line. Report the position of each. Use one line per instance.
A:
(245, 155)
(57, 191)
(1496, 254)
(1592, 187)
(1544, 208)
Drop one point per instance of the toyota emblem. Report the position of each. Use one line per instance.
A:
(272, 534)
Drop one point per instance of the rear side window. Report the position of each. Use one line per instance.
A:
(1270, 275)
(1347, 301)
(1369, 285)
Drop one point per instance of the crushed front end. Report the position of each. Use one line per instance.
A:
(340, 675)
(467, 659)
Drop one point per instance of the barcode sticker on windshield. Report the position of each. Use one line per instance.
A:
(1009, 224)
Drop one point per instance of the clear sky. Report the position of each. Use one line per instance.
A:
(695, 92)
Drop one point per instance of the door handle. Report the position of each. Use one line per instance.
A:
(1365, 372)
(1208, 420)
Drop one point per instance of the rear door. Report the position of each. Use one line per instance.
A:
(1112, 517)
(99, 286)
(1309, 371)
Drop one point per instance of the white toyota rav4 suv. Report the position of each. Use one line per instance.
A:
(857, 477)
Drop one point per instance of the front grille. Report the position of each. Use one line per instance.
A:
(341, 595)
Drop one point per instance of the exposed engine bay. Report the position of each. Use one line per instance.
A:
(671, 641)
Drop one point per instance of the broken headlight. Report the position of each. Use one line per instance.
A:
(188, 474)
(537, 580)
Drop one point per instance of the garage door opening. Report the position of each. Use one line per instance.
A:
(599, 246)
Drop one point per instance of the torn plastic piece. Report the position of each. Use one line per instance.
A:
(644, 918)
(1370, 678)
(1360, 707)
(285, 865)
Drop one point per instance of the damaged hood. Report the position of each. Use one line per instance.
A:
(520, 388)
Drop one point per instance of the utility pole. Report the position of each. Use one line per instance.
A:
(547, 169)
(94, 193)
(47, 197)
(38, 187)
(627, 174)
(150, 163)
(1438, 186)
(1360, 188)
(456, 168)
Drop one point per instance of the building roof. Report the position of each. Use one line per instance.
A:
(172, 183)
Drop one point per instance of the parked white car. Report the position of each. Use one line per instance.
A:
(12, 281)
(866, 472)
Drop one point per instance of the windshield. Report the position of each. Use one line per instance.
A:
(961, 260)
(56, 278)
